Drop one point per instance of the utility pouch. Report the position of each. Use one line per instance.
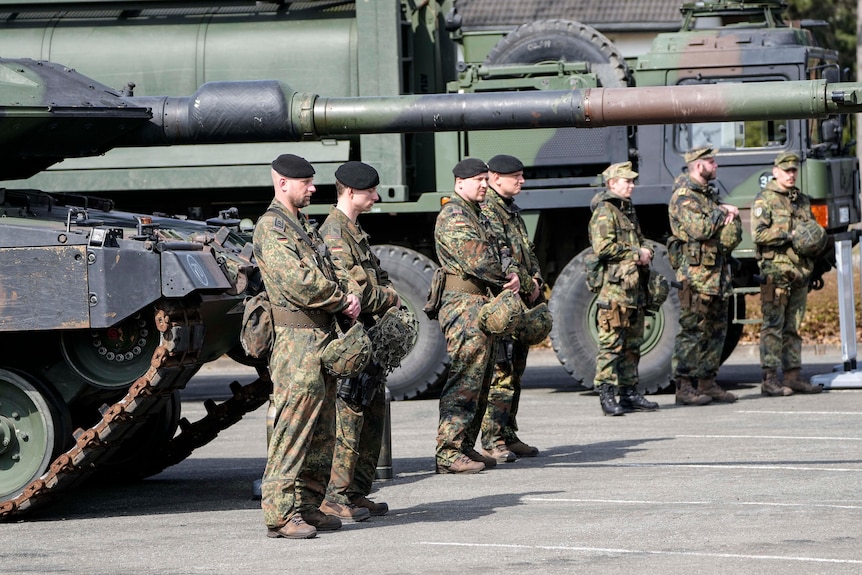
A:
(435, 294)
(675, 251)
(685, 295)
(767, 291)
(257, 333)
(692, 253)
(708, 255)
(701, 303)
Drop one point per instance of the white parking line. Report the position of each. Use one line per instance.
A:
(698, 503)
(645, 552)
(799, 412)
(715, 466)
(827, 438)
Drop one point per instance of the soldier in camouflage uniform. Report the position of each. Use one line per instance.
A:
(301, 280)
(702, 266)
(777, 211)
(499, 426)
(359, 426)
(471, 261)
(623, 255)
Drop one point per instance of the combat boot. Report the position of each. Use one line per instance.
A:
(320, 520)
(471, 453)
(462, 464)
(771, 385)
(500, 453)
(376, 509)
(632, 400)
(687, 395)
(608, 401)
(349, 513)
(295, 528)
(521, 449)
(707, 386)
(793, 380)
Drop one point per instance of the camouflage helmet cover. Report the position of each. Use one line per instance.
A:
(348, 355)
(730, 236)
(809, 238)
(393, 337)
(535, 326)
(659, 289)
(502, 315)
(699, 153)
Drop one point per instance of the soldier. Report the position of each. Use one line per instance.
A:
(304, 286)
(499, 426)
(471, 263)
(623, 257)
(360, 401)
(779, 218)
(701, 259)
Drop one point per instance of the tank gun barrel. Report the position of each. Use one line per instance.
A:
(222, 112)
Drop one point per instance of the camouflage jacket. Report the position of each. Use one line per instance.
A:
(510, 231)
(696, 219)
(297, 276)
(616, 238)
(774, 214)
(465, 246)
(351, 250)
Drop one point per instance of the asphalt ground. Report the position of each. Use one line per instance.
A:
(764, 485)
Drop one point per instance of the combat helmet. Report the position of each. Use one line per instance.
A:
(393, 336)
(502, 315)
(347, 356)
(809, 238)
(730, 236)
(659, 289)
(535, 326)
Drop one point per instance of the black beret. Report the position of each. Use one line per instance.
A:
(357, 175)
(503, 164)
(291, 166)
(469, 167)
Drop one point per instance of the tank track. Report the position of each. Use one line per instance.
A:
(173, 364)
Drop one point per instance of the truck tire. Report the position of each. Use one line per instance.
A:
(574, 339)
(424, 369)
(551, 40)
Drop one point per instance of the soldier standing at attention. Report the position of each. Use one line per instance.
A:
(499, 427)
(702, 266)
(299, 278)
(359, 428)
(471, 262)
(779, 216)
(619, 245)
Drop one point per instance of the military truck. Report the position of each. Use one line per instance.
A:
(388, 48)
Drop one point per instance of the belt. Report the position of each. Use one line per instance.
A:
(284, 317)
(456, 283)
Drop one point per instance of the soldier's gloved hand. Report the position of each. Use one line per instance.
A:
(353, 306)
(514, 283)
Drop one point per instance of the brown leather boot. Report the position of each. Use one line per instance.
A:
(771, 385)
(348, 513)
(295, 528)
(462, 464)
(687, 395)
(376, 509)
(708, 387)
(521, 449)
(793, 380)
(500, 453)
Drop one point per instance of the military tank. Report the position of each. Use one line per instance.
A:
(105, 316)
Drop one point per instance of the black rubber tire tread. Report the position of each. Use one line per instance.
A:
(425, 367)
(573, 339)
(566, 40)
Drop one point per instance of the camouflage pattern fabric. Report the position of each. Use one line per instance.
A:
(302, 431)
(774, 214)
(508, 227)
(464, 248)
(359, 434)
(697, 220)
(616, 239)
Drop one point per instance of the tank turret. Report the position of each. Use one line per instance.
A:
(106, 316)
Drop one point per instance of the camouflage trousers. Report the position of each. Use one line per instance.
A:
(302, 434)
(700, 340)
(358, 438)
(465, 394)
(499, 423)
(780, 342)
(619, 349)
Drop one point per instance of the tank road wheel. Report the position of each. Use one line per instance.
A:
(425, 366)
(34, 429)
(112, 358)
(551, 40)
(574, 335)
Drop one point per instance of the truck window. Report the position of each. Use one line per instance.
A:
(731, 136)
